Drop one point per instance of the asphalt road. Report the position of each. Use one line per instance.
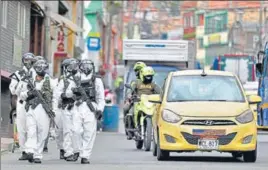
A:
(113, 152)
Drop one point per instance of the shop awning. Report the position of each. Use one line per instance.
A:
(66, 22)
(5, 74)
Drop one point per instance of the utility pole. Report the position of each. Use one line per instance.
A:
(47, 52)
(108, 62)
(261, 24)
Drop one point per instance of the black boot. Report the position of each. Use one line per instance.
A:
(23, 157)
(76, 156)
(70, 158)
(37, 161)
(45, 149)
(85, 161)
(62, 152)
(30, 157)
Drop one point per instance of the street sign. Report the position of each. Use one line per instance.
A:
(93, 43)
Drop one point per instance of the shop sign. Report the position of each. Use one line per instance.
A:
(217, 38)
(60, 45)
(93, 43)
(214, 39)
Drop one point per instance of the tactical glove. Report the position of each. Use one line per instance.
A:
(30, 94)
(98, 114)
(63, 95)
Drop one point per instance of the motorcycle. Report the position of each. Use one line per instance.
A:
(139, 124)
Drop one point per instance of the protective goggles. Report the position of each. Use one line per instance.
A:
(72, 66)
(41, 67)
(86, 66)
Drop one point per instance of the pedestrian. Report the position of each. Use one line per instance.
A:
(85, 121)
(37, 120)
(65, 95)
(28, 60)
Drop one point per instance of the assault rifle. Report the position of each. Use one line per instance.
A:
(43, 102)
(84, 96)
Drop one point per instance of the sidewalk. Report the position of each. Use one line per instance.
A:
(6, 144)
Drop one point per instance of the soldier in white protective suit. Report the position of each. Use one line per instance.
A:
(37, 119)
(67, 104)
(28, 60)
(85, 121)
(58, 109)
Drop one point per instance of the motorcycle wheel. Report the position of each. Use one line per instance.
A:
(139, 144)
(148, 134)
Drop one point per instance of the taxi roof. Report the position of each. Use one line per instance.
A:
(199, 72)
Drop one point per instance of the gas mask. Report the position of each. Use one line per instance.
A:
(28, 60)
(41, 67)
(147, 79)
(86, 68)
(72, 68)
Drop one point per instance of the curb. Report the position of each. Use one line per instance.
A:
(7, 149)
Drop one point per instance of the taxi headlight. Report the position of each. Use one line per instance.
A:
(245, 117)
(170, 116)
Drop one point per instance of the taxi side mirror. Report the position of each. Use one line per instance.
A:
(155, 98)
(254, 99)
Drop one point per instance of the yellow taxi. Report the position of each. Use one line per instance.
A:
(204, 111)
(251, 88)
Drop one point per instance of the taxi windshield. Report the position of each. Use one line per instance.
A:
(204, 88)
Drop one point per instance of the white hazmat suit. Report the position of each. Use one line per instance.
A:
(16, 87)
(69, 145)
(58, 118)
(37, 122)
(85, 122)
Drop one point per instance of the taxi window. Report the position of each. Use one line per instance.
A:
(208, 88)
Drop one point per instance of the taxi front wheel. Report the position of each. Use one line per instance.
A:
(161, 154)
(250, 156)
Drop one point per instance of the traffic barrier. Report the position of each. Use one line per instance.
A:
(110, 118)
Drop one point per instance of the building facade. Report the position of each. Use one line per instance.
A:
(24, 28)
(14, 41)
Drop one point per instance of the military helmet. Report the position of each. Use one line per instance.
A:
(39, 58)
(147, 74)
(87, 66)
(28, 59)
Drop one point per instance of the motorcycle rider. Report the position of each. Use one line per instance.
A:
(127, 106)
(28, 60)
(37, 120)
(146, 84)
(67, 99)
(85, 121)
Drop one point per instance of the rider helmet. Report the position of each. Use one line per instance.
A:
(137, 68)
(147, 74)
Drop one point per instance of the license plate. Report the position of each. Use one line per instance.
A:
(208, 144)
